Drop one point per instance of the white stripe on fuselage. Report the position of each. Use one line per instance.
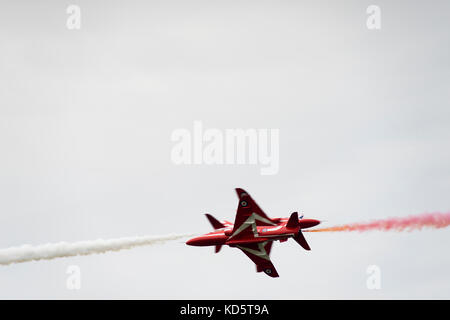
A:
(273, 229)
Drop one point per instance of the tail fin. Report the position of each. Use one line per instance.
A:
(216, 224)
(300, 238)
(293, 220)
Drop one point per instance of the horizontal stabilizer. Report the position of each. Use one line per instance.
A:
(300, 238)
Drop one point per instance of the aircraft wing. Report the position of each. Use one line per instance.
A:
(259, 254)
(249, 215)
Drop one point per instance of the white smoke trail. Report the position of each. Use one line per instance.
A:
(50, 251)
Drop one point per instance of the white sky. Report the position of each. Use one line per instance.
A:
(86, 118)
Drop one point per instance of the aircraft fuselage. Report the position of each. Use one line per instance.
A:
(280, 232)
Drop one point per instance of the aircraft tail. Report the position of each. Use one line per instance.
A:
(293, 221)
(300, 238)
(216, 224)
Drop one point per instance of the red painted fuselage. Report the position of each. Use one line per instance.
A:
(265, 233)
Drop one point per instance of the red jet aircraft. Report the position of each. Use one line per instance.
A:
(253, 232)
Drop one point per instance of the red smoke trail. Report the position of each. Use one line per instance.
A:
(427, 220)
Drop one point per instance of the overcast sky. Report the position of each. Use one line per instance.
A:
(86, 118)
